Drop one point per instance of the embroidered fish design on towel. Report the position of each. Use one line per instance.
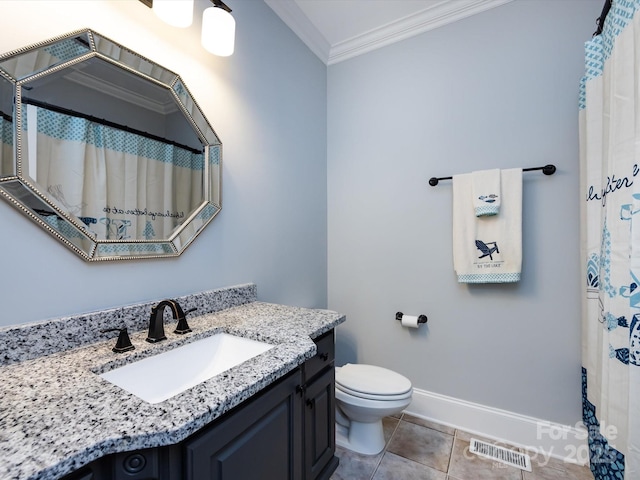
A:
(486, 192)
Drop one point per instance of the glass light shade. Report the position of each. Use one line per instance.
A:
(218, 31)
(178, 13)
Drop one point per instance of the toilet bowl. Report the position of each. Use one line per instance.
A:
(365, 394)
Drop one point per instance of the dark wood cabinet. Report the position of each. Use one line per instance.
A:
(319, 427)
(285, 432)
(260, 442)
(162, 463)
(320, 410)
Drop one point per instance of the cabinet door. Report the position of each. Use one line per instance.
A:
(319, 425)
(259, 441)
(323, 358)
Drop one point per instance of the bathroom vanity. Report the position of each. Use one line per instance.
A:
(284, 432)
(271, 417)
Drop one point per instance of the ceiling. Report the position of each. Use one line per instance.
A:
(336, 30)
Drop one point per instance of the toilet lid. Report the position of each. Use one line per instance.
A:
(370, 396)
(371, 380)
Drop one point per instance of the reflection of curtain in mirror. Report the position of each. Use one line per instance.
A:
(6, 144)
(120, 184)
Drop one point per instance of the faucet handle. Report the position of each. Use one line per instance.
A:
(123, 344)
(183, 326)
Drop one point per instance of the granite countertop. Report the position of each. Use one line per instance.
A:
(57, 414)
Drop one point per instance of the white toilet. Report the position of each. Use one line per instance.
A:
(364, 395)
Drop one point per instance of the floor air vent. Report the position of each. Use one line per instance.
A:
(500, 454)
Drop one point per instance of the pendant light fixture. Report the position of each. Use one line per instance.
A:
(178, 13)
(218, 29)
(218, 25)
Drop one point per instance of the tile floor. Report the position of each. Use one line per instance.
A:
(417, 449)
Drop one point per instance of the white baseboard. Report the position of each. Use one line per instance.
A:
(538, 437)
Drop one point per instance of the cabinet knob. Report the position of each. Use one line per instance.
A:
(309, 403)
(324, 356)
(300, 390)
(134, 463)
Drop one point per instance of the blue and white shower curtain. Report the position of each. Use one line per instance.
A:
(120, 184)
(6, 145)
(610, 221)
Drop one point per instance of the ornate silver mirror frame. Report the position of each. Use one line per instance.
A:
(105, 150)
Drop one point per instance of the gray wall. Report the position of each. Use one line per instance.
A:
(496, 90)
(268, 105)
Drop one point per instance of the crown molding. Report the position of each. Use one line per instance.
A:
(432, 17)
(435, 16)
(291, 14)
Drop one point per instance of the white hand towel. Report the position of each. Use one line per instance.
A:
(488, 249)
(486, 192)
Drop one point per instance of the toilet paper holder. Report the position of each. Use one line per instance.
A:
(421, 318)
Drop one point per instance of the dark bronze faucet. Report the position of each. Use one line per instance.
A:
(156, 322)
(124, 342)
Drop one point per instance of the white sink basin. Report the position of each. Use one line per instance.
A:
(162, 376)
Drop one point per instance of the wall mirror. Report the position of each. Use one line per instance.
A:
(105, 150)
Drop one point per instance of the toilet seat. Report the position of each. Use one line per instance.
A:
(372, 382)
(370, 396)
